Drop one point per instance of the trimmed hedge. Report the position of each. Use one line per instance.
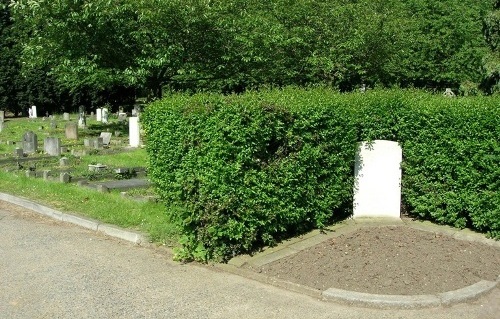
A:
(249, 170)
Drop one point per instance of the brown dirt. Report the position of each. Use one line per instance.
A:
(394, 260)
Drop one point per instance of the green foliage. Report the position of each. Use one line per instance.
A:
(246, 171)
(95, 48)
(249, 170)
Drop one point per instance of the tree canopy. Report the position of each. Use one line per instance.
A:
(98, 51)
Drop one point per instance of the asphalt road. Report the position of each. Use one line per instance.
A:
(54, 270)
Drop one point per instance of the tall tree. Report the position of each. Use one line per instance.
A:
(491, 60)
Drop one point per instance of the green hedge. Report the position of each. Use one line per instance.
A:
(249, 170)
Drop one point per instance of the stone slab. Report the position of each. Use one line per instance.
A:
(377, 190)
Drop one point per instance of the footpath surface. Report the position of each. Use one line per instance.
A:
(53, 269)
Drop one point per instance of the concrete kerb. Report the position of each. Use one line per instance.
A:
(238, 265)
(109, 230)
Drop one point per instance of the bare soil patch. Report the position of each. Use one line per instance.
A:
(393, 260)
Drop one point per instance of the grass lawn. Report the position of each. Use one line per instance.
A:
(145, 216)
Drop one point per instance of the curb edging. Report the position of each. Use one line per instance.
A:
(110, 230)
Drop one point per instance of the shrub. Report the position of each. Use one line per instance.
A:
(246, 171)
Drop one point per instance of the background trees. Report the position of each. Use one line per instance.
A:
(110, 51)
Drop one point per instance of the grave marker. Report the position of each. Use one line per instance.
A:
(82, 119)
(98, 113)
(71, 131)
(377, 171)
(33, 112)
(2, 116)
(104, 116)
(52, 146)
(122, 117)
(30, 142)
(134, 132)
(19, 152)
(66, 116)
(64, 177)
(106, 138)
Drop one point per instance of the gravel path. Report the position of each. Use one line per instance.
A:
(54, 270)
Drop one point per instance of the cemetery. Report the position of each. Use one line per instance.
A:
(82, 151)
(109, 158)
(323, 146)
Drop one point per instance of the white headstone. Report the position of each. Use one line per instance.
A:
(2, 116)
(134, 132)
(33, 112)
(106, 137)
(377, 171)
(104, 115)
(66, 116)
(98, 114)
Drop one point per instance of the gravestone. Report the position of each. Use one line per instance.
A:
(30, 113)
(30, 173)
(2, 116)
(33, 112)
(30, 142)
(46, 174)
(71, 130)
(64, 178)
(98, 143)
(104, 115)
(98, 114)
(122, 117)
(106, 138)
(63, 161)
(52, 146)
(134, 132)
(95, 143)
(448, 93)
(66, 116)
(19, 152)
(97, 167)
(2, 124)
(82, 119)
(377, 190)
(53, 124)
(134, 112)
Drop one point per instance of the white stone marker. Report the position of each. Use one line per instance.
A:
(33, 112)
(104, 115)
(377, 189)
(98, 114)
(133, 131)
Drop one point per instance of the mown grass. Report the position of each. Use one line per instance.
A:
(112, 208)
(148, 217)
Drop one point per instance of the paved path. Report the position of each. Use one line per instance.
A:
(50, 269)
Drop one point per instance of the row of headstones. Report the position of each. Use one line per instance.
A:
(64, 177)
(51, 145)
(71, 132)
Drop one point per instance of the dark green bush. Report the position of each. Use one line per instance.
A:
(246, 171)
